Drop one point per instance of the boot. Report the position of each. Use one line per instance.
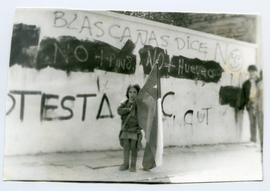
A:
(133, 161)
(125, 164)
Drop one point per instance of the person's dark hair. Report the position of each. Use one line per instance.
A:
(136, 86)
(252, 68)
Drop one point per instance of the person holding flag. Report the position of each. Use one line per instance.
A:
(130, 134)
(142, 110)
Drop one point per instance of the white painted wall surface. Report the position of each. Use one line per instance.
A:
(33, 136)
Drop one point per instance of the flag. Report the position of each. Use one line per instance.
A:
(150, 119)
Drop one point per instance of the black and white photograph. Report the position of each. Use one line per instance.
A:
(134, 97)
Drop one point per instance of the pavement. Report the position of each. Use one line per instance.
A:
(205, 163)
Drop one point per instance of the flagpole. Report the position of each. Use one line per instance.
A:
(159, 153)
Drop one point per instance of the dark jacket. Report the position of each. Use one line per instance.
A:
(129, 121)
(245, 93)
(128, 117)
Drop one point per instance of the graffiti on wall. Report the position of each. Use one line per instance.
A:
(68, 53)
(179, 66)
(230, 95)
(98, 28)
(190, 116)
(18, 99)
(24, 42)
(71, 54)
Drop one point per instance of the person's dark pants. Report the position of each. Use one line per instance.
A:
(253, 123)
(260, 124)
(256, 120)
(130, 146)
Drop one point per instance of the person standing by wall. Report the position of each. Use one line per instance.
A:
(260, 108)
(250, 98)
(130, 134)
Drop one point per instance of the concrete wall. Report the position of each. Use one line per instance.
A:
(195, 113)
